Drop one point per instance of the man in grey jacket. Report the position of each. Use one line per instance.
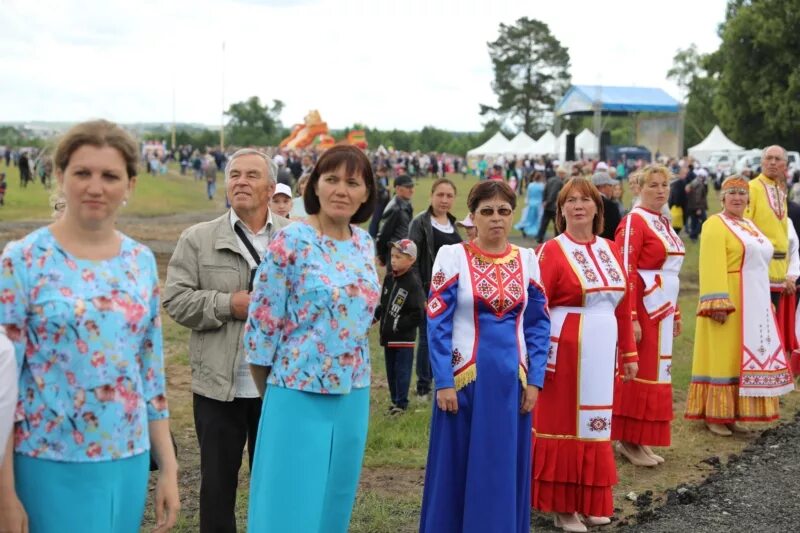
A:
(208, 285)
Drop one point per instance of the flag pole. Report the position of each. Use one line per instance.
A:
(222, 115)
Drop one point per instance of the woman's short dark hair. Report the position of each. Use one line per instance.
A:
(486, 190)
(583, 186)
(355, 162)
(443, 181)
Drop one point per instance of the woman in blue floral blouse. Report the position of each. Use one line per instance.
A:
(306, 341)
(80, 303)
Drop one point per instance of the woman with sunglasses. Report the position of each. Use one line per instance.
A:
(488, 335)
(573, 462)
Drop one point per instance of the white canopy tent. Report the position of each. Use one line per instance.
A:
(562, 145)
(522, 145)
(497, 145)
(547, 144)
(716, 141)
(586, 145)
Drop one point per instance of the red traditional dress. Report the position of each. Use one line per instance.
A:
(573, 463)
(653, 254)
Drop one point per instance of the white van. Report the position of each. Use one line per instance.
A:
(751, 159)
(793, 162)
(721, 164)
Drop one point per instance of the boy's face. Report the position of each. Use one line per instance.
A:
(400, 262)
(281, 205)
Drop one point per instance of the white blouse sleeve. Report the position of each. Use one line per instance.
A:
(8, 389)
(794, 259)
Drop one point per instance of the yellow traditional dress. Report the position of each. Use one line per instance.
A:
(739, 367)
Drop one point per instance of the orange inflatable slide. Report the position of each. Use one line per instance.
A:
(315, 132)
(303, 135)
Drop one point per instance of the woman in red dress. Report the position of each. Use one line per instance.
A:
(653, 254)
(583, 277)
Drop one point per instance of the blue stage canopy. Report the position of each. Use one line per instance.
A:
(580, 100)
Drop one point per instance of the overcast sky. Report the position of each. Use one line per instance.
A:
(389, 64)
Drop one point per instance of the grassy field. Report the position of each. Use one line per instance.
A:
(164, 194)
(391, 482)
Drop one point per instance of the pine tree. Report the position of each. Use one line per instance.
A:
(531, 72)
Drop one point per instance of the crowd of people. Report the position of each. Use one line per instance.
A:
(535, 359)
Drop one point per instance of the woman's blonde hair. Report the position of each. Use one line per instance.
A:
(643, 176)
(96, 133)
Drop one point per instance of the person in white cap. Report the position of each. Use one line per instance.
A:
(469, 227)
(281, 202)
(611, 214)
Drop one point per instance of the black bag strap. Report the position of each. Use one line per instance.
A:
(247, 244)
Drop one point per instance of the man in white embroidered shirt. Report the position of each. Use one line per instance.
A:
(208, 285)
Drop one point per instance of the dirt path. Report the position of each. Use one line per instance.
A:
(159, 233)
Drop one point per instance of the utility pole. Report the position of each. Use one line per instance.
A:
(173, 114)
(222, 115)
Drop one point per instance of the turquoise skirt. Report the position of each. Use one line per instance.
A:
(307, 461)
(100, 497)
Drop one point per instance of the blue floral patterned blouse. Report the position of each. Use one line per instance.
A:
(89, 352)
(311, 309)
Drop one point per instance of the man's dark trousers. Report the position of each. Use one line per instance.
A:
(547, 217)
(424, 372)
(222, 429)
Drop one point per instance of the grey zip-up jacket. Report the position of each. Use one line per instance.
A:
(206, 268)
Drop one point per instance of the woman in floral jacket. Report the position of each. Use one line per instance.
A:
(80, 303)
(306, 340)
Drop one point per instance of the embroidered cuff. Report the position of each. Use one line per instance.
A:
(712, 303)
(631, 357)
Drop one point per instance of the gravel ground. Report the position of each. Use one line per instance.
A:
(758, 490)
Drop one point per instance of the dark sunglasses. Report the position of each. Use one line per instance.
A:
(489, 211)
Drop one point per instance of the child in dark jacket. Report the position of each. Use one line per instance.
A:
(400, 312)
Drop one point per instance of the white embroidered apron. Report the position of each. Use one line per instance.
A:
(603, 287)
(661, 286)
(764, 369)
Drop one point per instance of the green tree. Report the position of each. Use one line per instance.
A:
(689, 71)
(15, 137)
(252, 123)
(758, 65)
(531, 71)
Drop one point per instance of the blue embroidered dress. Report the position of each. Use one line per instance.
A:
(488, 334)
